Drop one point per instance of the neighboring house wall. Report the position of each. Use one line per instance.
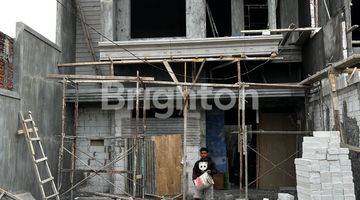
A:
(34, 58)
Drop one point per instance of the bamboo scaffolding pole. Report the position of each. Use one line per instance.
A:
(143, 141)
(282, 30)
(215, 85)
(61, 149)
(185, 113)
(74, 142)
(178, 60)
(243, 128)
(240, 140)
(135, 139)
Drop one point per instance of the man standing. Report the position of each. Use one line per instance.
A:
(204, 165)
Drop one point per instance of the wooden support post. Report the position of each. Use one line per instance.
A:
(73, 148)
(135, 141)
(244, 142)
(321, 105)
(185, 112)
(61, 149)
(332, 74)
(173, 76)
(240, 139)
(199, 72)
(112, 73)
(143, 142)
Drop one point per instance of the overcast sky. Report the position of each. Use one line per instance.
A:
(38, 14)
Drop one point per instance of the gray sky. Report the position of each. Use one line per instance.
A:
(38, 14)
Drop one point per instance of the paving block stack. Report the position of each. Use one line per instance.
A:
(324, 171)
(285, 196)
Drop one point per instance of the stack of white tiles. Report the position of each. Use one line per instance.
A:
(324, 171)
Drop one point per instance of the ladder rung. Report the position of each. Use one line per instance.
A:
(41, 160)
(30, 130)
(35, 139)
(51, 196)
(47, 180)
(28, 120)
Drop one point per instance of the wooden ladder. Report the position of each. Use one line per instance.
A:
(30, 131)
(7, 195)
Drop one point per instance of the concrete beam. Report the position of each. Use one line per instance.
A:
(108, 26)
(190, 48)
(195, 18)
(123, 20)
(237, 17)
(272, 14)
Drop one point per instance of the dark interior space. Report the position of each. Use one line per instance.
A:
(256, 14)
(221, 15)
(158, 18)
(355, 18)
(287, 106)
(256, 72)
(156, 70)
(232, 146)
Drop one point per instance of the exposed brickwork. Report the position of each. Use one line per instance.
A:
(349, 104)
(6, 62)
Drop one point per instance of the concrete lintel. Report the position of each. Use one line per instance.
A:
(191, 48)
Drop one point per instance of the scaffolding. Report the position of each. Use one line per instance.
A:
(138, 138)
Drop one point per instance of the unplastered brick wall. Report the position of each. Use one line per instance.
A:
(348, 94)
(324, 171)
(94, 122)
(349, 104)
(6, 62)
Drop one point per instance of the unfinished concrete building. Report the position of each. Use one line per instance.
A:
(289, 64)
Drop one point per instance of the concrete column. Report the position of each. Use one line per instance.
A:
(237, 17)
(123, 20)
(272, 14)
(108, 19)
(195, 19)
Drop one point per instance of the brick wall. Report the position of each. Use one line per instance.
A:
(96, 122)
(349, 105)
(6, 62)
